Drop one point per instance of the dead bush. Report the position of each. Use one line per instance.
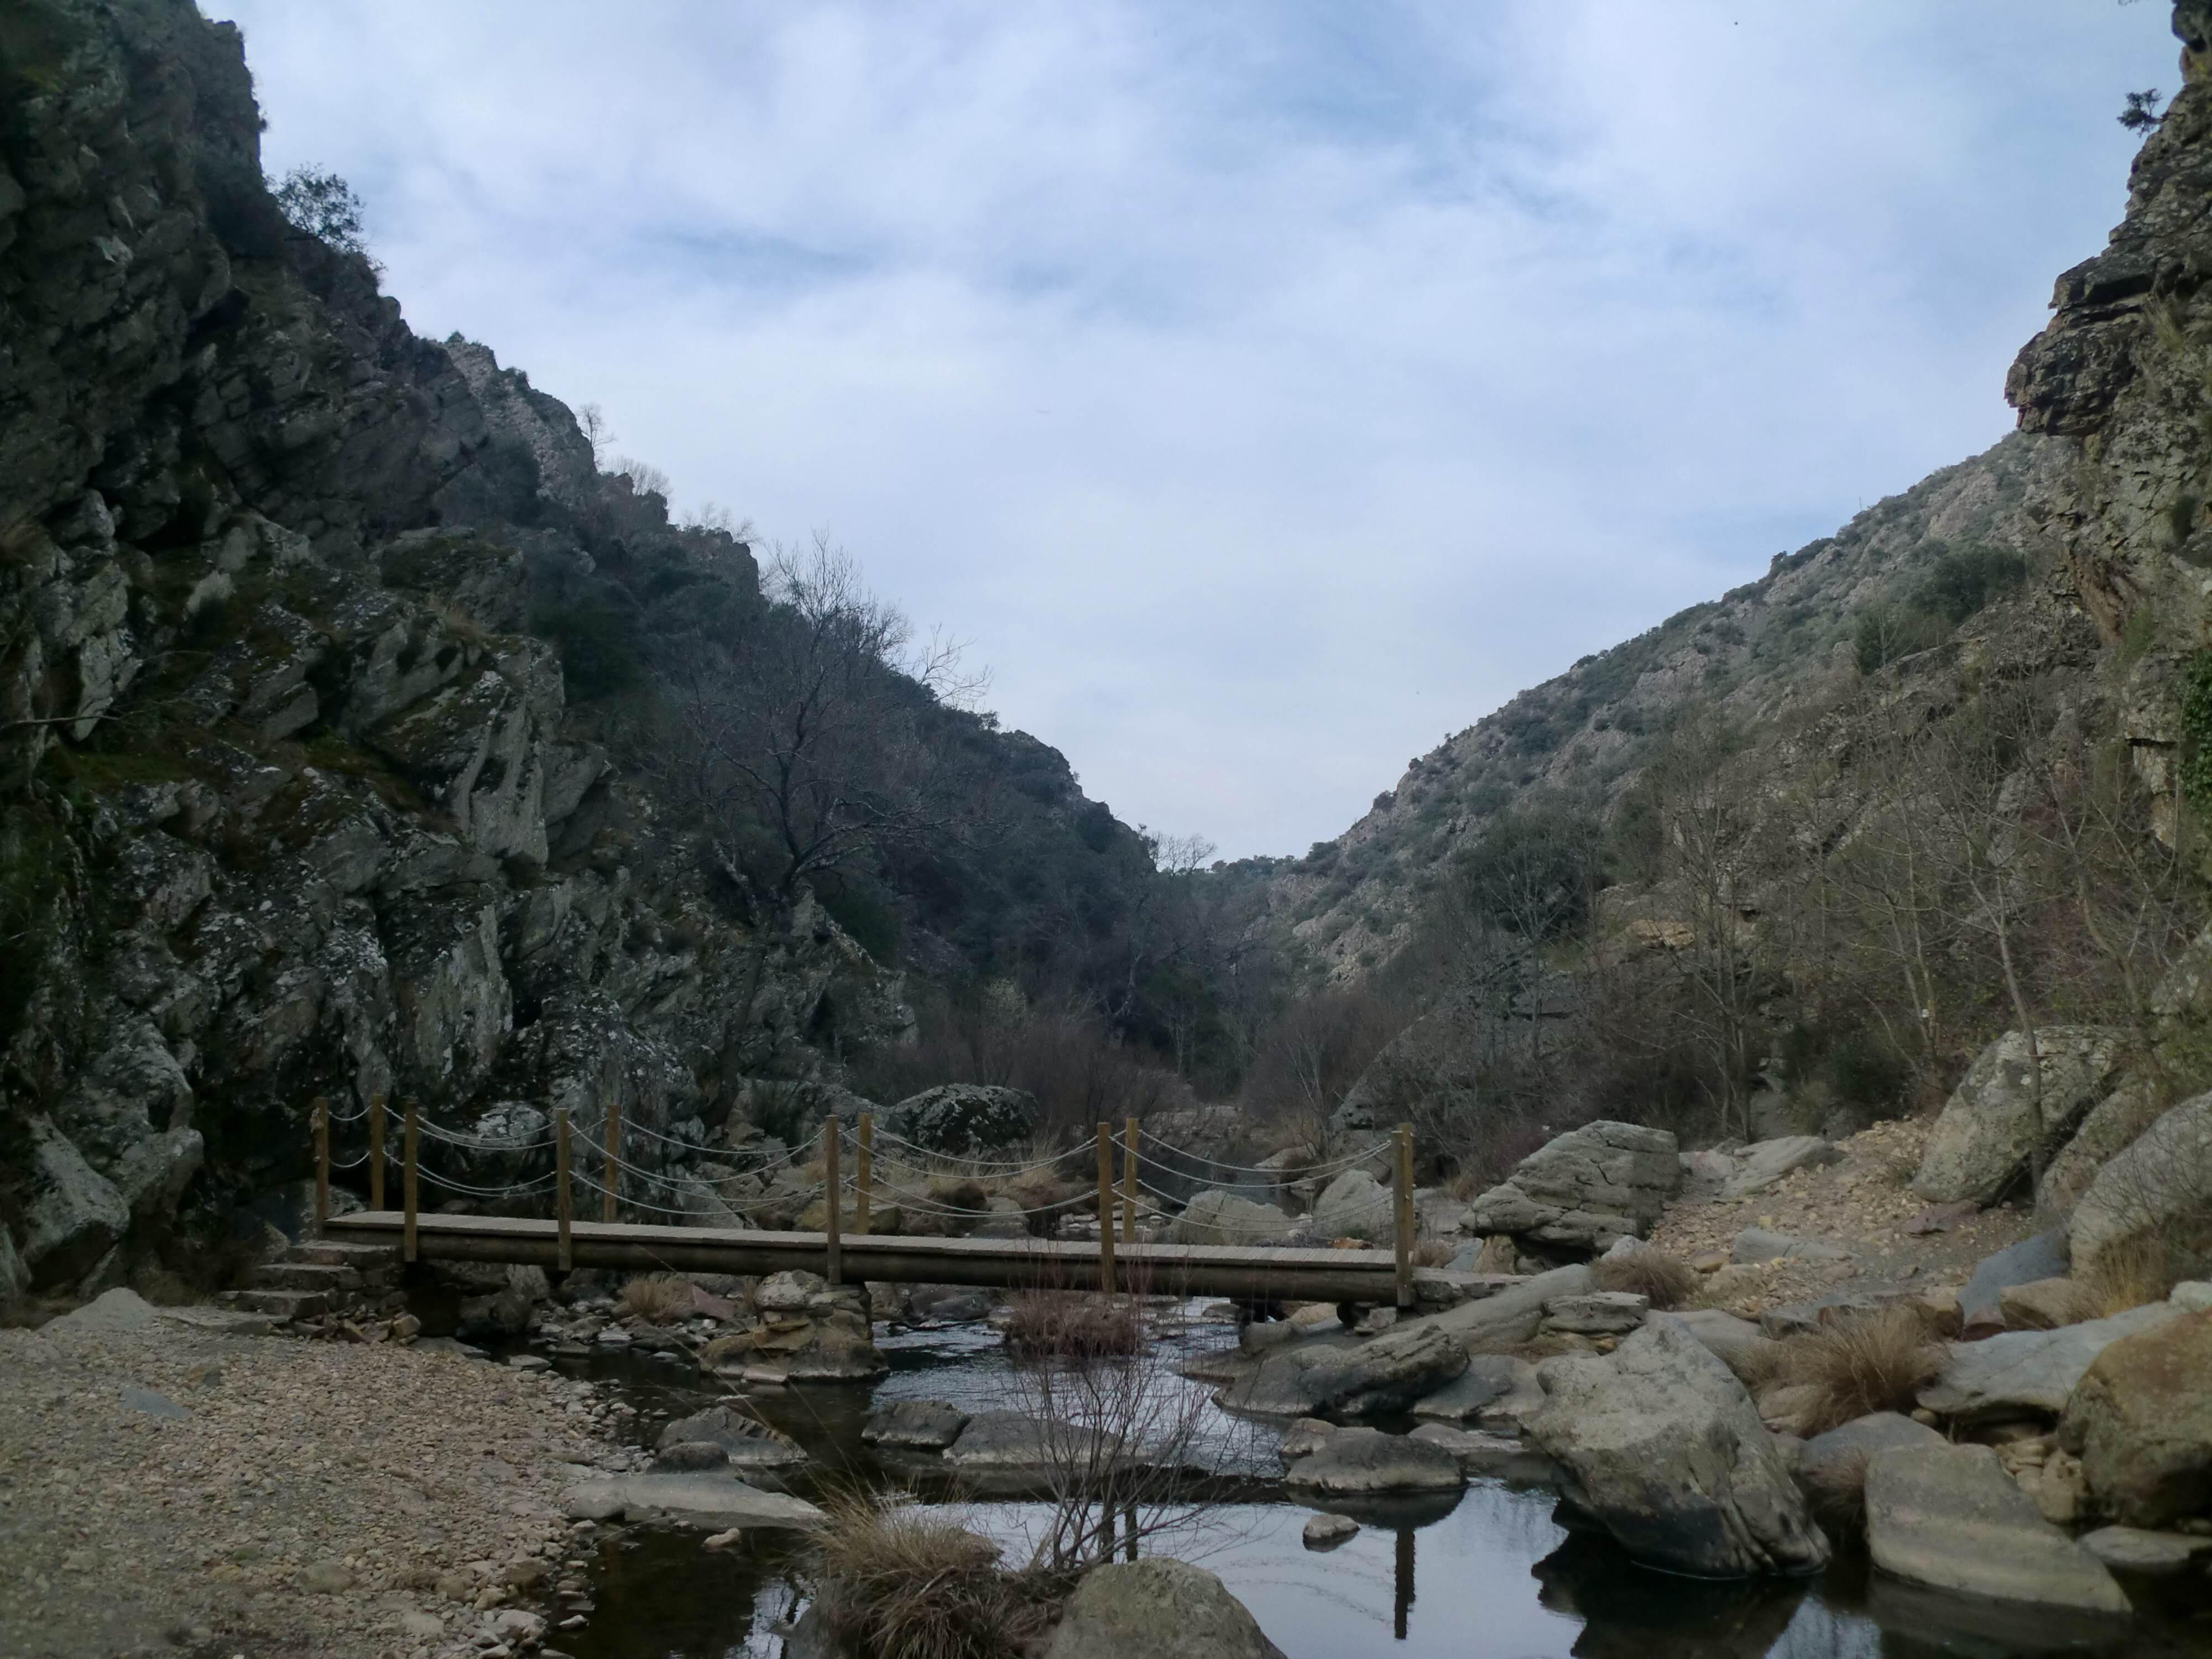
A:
(1669, 1282)
(658, 1298)
(1434, 1253)
(1877, 1360)
(898, 1578)
(2130, 1273)
(1072, 1325)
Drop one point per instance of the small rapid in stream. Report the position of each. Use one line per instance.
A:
(1489, 1575)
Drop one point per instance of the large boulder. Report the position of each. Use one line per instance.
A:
(1215, 1217)
(1354, 1205)
(1990, 1132)
(965, 1120)
(1586, 1188)
(1373, 1379)
(914, 1425)
(2141, 1421)
(1834, 1464)
(1361, 1463)
(2111, 1126)
(1160, 1608)
(2157, 1194)
(2029, 1374)
(1949, 1516)
(747, 1443)
(1660, 1444)
(74, 1217)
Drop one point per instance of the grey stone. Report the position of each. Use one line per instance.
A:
(1489, 1380)
(1304, 1437)
(965, 1120)
(1740, 1344)
(748, 1445)
(2112, 1125)
(1499, 1456)
(2146, 1554)
(116, 1311)
(154, 1405)
(789, 1292)
(2192, 1296)
(1757, 1244)
(1215, 1217)
(2158, 1189)
(2043, 1256)
(1374, 1378)
(1759, 1166)
(1951, 1517)
(2141, 1421)
(1989, 1132)
(1003, 1442)
(1366, 1462)
(1660, 1443)
(74, 1215)
(1599, 1313)
(1326, 1532)
(689, 1456)
(2028, 1373)
(917, 1424)
(1354, 1205)
(1160, 1608)
(1585, 1188)
(1827, 1459)
(712, 1503)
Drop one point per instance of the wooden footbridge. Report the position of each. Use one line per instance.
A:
(561, 1241)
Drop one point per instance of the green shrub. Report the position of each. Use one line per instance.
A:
(598, 647)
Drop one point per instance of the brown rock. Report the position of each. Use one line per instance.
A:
(2045, 1304)
(2141, 1421)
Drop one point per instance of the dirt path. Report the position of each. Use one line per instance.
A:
(1863, 1203)
(169, 1490)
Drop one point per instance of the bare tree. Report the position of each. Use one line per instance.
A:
(798, 738)
(645, 478)
(591, 422)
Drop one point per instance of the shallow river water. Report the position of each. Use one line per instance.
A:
(1489, 1576)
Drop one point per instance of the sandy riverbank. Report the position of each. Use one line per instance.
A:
(171, 1489)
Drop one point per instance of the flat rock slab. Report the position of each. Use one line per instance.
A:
(712, 1503)
(1597, 1312)
(217, 1321)
(154, 1405)
(1761, 1165)
(1756, 1244)
(2029, 1373)
(2148, 1554)
(1361, 1463)
(1739, 1344)
(1509, 1317)
(1499, 1456)
(1950, 1517)
(1489, 1380)
(916, 1425)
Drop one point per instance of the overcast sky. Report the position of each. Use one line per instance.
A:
(1266, 389)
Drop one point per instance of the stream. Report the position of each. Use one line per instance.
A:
(1489, 1574)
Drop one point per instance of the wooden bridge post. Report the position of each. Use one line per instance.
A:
(1405, 1215)
(376, 1151)
(322, 1110)
(1106, 1209)
(563, 1207)
(1129, 1181)
(612, 1169)
(833, 1191)
(865, 1169)
(408, 1130)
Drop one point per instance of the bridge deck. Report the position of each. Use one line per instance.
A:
(1224, 1270)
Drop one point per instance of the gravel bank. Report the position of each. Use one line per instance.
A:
(166, 1489)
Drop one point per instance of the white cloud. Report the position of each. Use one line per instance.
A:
(1266, 389)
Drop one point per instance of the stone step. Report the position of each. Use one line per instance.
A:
(344, 1252)
(279, 1305)
(305, 1276)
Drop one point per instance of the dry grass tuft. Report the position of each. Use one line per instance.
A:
(1875, 1361)
(2130, 1273)
(1073, 1325)
(960, 1194)
(1433, 1253)
(1668, 1281)
(906, 1580)
(1835, 1492)
(660, 1298)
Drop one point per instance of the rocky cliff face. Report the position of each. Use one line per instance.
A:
(294, 802)
(2125, 373)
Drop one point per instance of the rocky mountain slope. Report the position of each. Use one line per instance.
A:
(310, 634)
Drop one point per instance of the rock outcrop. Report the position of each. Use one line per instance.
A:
(1586, 1189)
